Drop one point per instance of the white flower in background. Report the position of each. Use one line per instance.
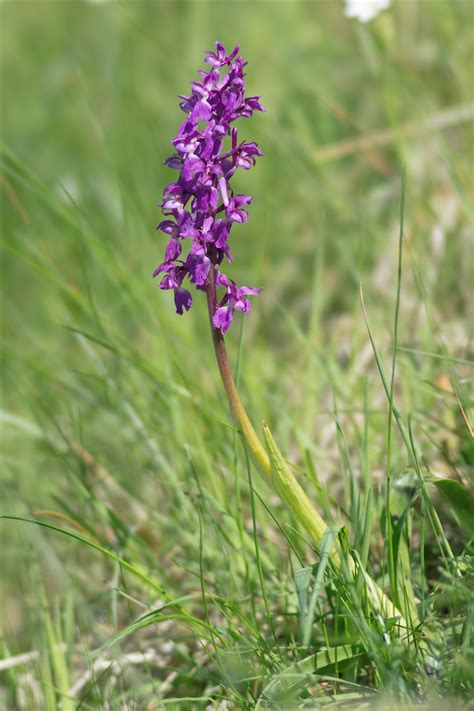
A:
(365, 10)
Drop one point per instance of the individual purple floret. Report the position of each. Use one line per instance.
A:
(201, 205)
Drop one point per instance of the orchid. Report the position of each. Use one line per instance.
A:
(201, 205)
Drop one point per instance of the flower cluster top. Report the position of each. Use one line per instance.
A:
(201, 205)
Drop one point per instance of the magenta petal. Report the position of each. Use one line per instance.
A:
(243, 305)
(222, 280)
(253, 291)
(222, 318)
(173, 250)
(202, 110)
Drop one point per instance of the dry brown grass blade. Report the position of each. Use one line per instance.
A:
(13, 198)
(122, 500)
(65, 519)
(440, 120)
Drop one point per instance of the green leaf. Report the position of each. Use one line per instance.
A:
(327, 545)
(286, 686)
(291, 492)
(302, 581)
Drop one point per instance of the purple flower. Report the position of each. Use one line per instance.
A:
(201, 205)
(198, 266)
(219, 58)
(234, 210)
(182, 299)
(234, 299)
(173, 250)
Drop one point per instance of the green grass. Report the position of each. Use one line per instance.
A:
(158, 569)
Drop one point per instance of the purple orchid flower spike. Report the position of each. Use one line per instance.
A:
(201, 205)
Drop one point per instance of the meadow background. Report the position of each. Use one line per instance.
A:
(114, 421)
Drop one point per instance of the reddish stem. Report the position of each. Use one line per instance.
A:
(257, 450)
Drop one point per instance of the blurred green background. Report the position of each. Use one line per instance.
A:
(93, 352)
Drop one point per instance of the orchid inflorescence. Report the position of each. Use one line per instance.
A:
(201, 205)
